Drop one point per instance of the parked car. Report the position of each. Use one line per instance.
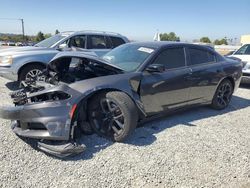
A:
(243, 53)
(11, 43)
(131, 83)
(26, 62)
(19, 44)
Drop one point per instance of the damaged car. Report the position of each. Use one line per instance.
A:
(110, 95)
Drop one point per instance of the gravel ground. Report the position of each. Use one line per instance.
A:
(195, 148)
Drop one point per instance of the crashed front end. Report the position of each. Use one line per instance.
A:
(51, 106)
(44, 114)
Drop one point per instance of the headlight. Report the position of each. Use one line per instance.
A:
(5, 60)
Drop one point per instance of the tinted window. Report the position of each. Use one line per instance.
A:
(171, 58)
(77, 41)
(243, 50)
(198, 56)
(97, 42)
(116, 41)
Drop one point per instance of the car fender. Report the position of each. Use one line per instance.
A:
(128, 83)
(21, 60)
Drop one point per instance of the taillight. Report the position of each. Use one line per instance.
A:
(72, 111)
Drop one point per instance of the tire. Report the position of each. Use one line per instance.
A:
(223, 95)
(112, 115)
(29, 68)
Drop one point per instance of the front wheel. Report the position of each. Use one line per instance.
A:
(113, 115)
(30, 71)
(223, 95)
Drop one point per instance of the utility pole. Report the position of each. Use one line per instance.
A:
(23, 29)
(21, 22)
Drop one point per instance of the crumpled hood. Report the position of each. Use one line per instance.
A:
(25, 50)
(55, 65)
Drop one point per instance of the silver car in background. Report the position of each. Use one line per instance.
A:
(26, 62)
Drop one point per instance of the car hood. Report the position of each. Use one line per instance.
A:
(245, 58)
(53, 64)
(25, 50)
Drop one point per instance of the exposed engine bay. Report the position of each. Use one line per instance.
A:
(65, 70)
(69, 70)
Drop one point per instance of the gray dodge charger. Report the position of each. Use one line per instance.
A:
(110, 95)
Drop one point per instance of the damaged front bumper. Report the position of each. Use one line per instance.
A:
(41, 121)
(45, 122)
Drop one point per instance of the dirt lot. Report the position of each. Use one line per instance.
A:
(195, 148)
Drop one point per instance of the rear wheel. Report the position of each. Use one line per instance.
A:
(113, 115)
(223, 95)
(30, 71)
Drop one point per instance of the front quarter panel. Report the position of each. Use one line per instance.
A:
(128, 83)
(19, 60)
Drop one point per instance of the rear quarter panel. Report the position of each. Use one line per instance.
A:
(233, 69)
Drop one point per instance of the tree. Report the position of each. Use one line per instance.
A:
(57, 32)
(40, 36)
(205, 40)
(224, 41)
(220, 42)
(217, 42)
(47, 35)
(169, 37)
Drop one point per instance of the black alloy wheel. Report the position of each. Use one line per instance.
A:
(223, 95)
(113, 115)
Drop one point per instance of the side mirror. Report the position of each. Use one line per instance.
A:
(155, 68)
(62, 46)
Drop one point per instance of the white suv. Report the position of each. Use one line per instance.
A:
(244, 54)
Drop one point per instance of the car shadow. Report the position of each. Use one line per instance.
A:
(145, 133)
(13, 85)
(246, 86)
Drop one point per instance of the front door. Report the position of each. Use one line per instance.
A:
(98, 44)
(163, 91)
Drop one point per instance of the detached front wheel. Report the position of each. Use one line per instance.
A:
(113, 115)
(223, 95)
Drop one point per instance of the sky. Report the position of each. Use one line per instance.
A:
(136, 19)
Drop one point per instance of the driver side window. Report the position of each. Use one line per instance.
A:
(77, 41)
(171, 58)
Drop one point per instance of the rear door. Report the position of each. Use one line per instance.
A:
(163, 91)
(206, 73)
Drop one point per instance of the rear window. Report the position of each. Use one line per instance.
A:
(116, 41)
(199, 56)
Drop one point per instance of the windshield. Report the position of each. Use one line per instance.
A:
(128, 56)
(50, 41)
(243, 50)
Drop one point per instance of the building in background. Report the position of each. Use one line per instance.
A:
(245, 39)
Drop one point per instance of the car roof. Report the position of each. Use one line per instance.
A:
(92, 32)
(161, 44)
